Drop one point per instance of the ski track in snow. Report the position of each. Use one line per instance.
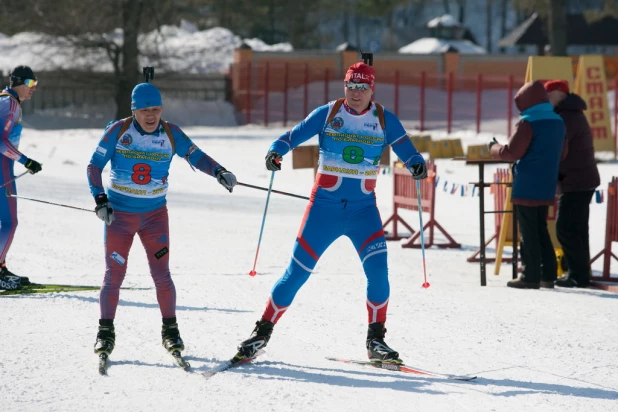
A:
(545, 350)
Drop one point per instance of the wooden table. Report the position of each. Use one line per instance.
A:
(482, 212)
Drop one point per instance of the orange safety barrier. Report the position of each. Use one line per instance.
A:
(405, 196)
(611, 233)
(498, 189)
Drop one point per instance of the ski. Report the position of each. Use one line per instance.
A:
(400, 367)
(49, 286)
(180, 361)
(44, 288)
(29, 291)
(103, 363)
(230, 364)
(54, 286)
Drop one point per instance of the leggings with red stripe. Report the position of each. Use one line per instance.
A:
(324, 222)
(153, 230)
(8, 207)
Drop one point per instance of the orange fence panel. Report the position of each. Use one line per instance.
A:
(611, 233)
(405, 196)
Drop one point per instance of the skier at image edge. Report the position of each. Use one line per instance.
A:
(353, 132)
(22, 85)
(140, 149)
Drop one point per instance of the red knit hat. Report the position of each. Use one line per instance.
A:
(552, 85)
(361, 73)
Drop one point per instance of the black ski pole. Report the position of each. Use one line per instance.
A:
(48, 203)
(14, 179)
(273, 190)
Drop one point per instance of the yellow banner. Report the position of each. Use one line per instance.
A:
(591, 85)
(550, 68)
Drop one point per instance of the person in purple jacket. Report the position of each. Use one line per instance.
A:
(577, 180)
(140, 149)
(21, 88)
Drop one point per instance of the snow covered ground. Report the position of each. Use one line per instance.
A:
(543, 350)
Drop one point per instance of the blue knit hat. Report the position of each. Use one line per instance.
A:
(145, 95)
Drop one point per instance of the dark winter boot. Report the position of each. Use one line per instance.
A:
(106, 337)
(5, 272)
(171, 336)
(569, 282)
(258, 340)
(9, 282)
(377, 349)
(522, 283)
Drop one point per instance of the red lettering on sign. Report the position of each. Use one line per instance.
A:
(594, 87)
(596, 117)
(593, 73)
(599, 132)
(596, 102)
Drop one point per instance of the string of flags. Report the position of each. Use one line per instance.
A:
(470, 190)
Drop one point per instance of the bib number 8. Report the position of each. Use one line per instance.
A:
(141, 174)
(353, 155)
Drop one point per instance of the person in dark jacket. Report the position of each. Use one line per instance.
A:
(577, 180)
(536, 148)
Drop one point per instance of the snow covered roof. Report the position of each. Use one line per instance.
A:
(445, 20)
(432, 45)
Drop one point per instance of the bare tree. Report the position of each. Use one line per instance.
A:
(383, 9)
(461, 6)
(87, 26)
(447, 9)
(126, 79)
(558, 27)
(488, 22)
(504, 4)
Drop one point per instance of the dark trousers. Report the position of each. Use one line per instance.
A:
(537, 251)
(572, 231)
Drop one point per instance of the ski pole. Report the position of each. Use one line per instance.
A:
(48, 203)
(422, 229)
(270, 186)
(272, 190)
(14, 179)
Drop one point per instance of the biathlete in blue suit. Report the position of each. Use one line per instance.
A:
(21, 88)
(353, 132)
(140, 149)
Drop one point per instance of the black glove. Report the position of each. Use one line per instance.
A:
(225, 178)
(33, 166)
(418, 170)
(273, 161)
(493, 142)
(104, 209)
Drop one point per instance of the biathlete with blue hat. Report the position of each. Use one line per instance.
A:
(140, 149)
(353, 132)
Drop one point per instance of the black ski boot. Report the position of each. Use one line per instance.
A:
(106, 337)
(4, 272)
(258, 340)
(9, 282)
(170, 336)
(377, 349)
